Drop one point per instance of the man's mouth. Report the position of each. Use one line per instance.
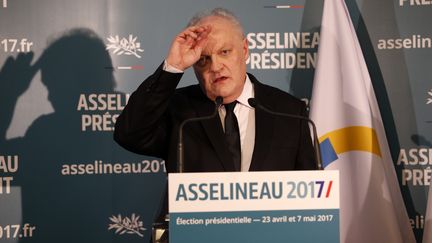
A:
(220, 79)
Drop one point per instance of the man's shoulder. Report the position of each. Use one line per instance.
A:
(188, 95)
(192, 91)
(269, 93)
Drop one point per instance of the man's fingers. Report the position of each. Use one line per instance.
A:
(202, 39)
(189, 33)
(190, 41)
(194, 33)
(205, 32)
(187, 46)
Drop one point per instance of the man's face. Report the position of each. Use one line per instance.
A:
(221, 70)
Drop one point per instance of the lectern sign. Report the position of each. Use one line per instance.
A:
(299, 206)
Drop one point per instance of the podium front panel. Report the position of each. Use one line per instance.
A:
(300, 206)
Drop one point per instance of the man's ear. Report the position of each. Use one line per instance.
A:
(246, 48)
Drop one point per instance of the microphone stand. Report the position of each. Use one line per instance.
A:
(160, 229)
(180, 153)
(253, 102)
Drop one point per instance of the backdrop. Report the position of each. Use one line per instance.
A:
(68, 68)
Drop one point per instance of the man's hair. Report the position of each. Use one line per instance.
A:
(217, 12)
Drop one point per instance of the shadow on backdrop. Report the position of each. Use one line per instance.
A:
(420, 140)
(65, 207)
(302, 79)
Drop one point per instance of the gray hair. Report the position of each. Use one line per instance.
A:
(217, 12)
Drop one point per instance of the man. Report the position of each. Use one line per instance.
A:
(250, 140)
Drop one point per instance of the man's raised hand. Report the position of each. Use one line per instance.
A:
(187, 47)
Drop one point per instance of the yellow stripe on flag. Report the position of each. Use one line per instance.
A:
(353, 138)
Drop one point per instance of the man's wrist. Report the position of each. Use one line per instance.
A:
(170, 68)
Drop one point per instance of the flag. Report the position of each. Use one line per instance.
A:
(427, 230)
(352, 136)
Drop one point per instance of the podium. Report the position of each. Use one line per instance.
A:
(283, 206)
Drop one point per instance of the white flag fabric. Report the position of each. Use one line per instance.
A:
(427, 230)
(352, 136)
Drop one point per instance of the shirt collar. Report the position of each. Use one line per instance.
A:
(247, 93)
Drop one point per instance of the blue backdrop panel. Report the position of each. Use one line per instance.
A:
(68, 68)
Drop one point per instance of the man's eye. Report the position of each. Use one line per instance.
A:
(202, 61)
(225, 52)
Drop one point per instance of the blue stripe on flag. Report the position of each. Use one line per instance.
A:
(328, 153)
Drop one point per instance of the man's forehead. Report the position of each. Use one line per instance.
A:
(215, 45)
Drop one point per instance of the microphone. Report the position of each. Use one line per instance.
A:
(254, 103)
(180, 154)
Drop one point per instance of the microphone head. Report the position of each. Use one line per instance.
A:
(219, 101)
(252, 102)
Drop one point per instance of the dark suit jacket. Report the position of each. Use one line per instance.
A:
(150, 122)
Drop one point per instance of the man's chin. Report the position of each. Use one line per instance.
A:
(224, 92)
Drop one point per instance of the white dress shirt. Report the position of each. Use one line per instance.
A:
(245, 117)
(246, 120)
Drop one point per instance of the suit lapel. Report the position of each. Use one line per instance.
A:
(263, 128)
(213, 129)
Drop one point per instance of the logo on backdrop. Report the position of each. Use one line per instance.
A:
(285, 6)
(405, 3)
(16, 232)
(126, 225)
(100, 111)
(287, 50)
(416, 164)
(16, 45)
(429, 99)
(125, 46)
(8, 167)
(415, 41)
(99, 167)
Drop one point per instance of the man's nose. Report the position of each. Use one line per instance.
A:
(216, 64)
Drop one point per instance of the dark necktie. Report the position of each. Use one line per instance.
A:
(232, 134)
